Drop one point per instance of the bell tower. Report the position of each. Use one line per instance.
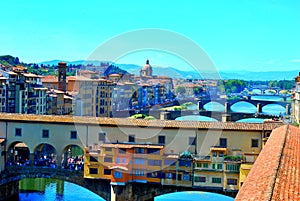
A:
(62, 72)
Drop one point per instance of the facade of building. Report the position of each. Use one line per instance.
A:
(3, 94)
(93, 96)
(59, 103)
(25, 93)
(296, 100)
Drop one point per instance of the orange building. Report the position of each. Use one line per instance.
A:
(125, 162)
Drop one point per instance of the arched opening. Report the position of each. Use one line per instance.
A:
(72, 157)
(274, 109)
(18, 154)
(243, 107)
(45, 155)
(214, 107)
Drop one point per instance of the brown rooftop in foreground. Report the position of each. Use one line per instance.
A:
(276, 172)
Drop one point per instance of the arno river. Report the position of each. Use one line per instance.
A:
(41, 189)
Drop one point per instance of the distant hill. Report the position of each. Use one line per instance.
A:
(78, 62)
(112, 69)
(8, 60)
(170, 71)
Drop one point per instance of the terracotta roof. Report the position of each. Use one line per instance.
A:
(138, 122)
(87, 72)
(31, 75)
(276, 172)
(115, 75)
(49, 78)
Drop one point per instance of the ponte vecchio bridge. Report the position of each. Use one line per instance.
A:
(23, 139)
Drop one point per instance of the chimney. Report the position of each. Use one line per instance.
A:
(62, 70)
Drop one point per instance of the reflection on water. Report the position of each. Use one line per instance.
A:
(42, 189)
(251, 120)
(267, 98)
(243, 107)
(195, 118)
(274, 109)
(214, 107)
(192, 196)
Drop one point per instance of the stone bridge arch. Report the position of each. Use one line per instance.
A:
(72, 157)
(45, 155)
(17, 173)
(18, 153)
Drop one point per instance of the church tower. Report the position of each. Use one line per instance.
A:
(62, 71)
(146, 70)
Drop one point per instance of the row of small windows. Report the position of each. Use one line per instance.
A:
(45, 133)
(131, 138)
(216, 180)
(139, 161)
(141, 173)
(219, 166)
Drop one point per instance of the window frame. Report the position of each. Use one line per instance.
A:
(18, 132)
(72, 135)
(192, 141)
(161, 139)
(254, 141)
(45, 133)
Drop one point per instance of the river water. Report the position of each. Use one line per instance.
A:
(42, 189)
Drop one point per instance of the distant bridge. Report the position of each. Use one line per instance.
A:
(259, 104)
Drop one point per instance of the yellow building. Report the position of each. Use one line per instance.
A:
(125, 162)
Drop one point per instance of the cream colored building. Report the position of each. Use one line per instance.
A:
(296, 100)
(92, 97)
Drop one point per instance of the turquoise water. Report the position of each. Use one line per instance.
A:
(243, 107)
(274, 109)
(251, 120)
(192, 107)
(267, 98)
(41, 189)
(195, 118)
(192, 196)
(214, 107)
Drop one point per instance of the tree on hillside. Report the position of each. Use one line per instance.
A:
(180, 90)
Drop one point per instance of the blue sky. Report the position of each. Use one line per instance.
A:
(250, 35)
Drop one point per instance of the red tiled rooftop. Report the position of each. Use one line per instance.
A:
(276, 172)
(49, 78)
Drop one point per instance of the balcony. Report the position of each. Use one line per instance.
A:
(31, 103)
(234, 159)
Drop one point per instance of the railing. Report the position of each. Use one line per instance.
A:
(14, 173)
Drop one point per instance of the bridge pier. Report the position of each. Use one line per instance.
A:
(200, 106)
(9, 191)
(31, 158)
(59, 161)
(284, 98)
(227, 107)
(287, 109)
(259, 108)
(226, 117)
